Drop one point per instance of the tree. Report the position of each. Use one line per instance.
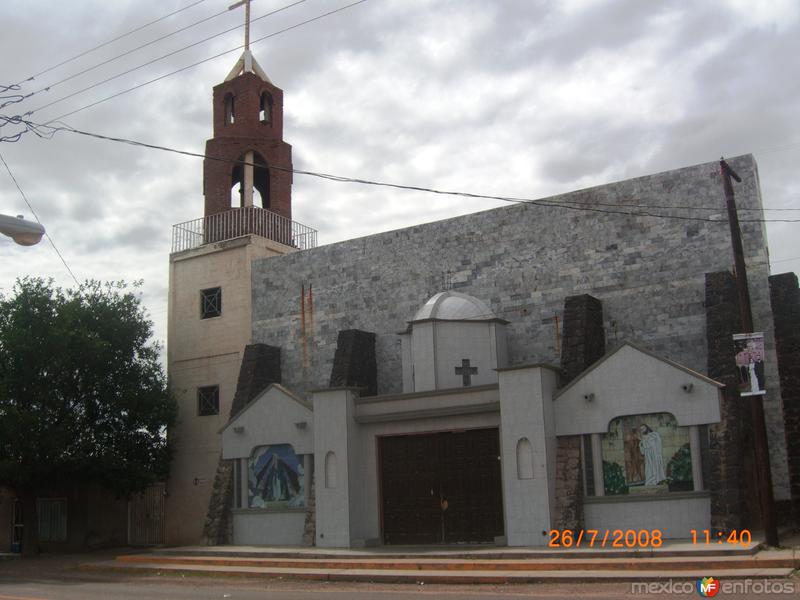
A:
(83, 397)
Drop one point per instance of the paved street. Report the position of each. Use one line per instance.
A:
(200, 589)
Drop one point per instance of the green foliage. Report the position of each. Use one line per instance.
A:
(614, 479)
(82, 394)
(679, 467)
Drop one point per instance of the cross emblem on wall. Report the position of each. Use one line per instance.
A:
(466, 372)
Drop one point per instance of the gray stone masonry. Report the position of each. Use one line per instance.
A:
(524, 260)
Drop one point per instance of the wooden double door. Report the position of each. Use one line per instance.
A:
(441, 488)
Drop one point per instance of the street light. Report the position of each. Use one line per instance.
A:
(25, 233)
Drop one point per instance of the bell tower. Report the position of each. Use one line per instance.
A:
(247, 151)
(247, 185)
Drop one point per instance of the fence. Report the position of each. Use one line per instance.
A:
(146, 517)
(242, 221)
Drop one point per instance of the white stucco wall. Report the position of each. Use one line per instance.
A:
(526, 411)
(258, 527)
(334, 431)
(433, 349)
(423, 357)
(631, 382)
(459, 340)
(274, 417)
(675, 515)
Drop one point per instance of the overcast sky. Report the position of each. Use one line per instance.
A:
(522, 98)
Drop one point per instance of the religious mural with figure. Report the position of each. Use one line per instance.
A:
(276, 478)
(646, 454)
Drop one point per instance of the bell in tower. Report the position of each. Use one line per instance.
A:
(247, 153)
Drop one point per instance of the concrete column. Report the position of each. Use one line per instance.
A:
(247, 180)
(526, 413)
(334, 432)
(597, 466)
(244, 464)
(694, 449)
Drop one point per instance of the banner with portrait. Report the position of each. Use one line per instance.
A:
(749, 351)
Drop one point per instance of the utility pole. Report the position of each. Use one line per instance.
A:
(761, 446)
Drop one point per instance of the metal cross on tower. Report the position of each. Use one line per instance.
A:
(246, 4)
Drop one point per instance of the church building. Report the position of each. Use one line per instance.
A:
(497, 378)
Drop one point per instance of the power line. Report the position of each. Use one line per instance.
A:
(785, 259)
(111, 41)
(200, 62)
(35, 216)
(126, 53)
(145, 64)
(569, 205)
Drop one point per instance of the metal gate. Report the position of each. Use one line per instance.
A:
(146, 517)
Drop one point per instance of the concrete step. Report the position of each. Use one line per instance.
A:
(683, 550)
(763, 560)
(438, 576)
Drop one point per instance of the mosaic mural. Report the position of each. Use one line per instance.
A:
(276, 478)
(646, 454)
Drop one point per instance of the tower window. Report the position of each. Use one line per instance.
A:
(210, 303)
(265, 108)
(208, 400)
(230, 113)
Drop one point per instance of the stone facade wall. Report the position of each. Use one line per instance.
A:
(523, 261)
(568, 513)
(786, 310)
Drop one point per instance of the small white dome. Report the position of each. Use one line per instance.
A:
(453, 306)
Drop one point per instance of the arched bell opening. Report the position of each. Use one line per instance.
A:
(230, 109)
(265, 108)
(260, 178)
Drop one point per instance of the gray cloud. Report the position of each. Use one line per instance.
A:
(516, 98)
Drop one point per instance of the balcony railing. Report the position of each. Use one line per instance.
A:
(238, 222)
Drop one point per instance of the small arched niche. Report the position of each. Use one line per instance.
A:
(265, 108)
(330, 470)
(524, 459)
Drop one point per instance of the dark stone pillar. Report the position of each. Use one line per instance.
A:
(354, 363)
(728, 437)
(785, 297)
(261, 366)
(584, 339)
(583, 343)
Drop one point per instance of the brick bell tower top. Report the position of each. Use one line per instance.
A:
(247, 151)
